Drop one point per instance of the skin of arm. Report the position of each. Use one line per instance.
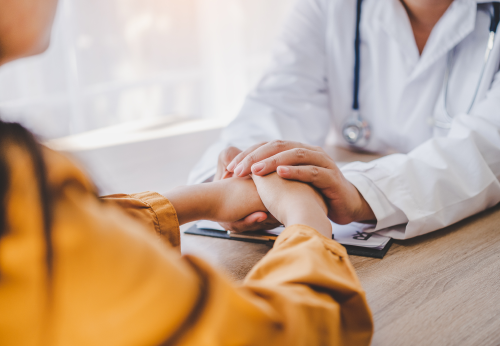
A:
(255, 221)
(294, 203)
(308, 164)
(225, 200)
(231, 199)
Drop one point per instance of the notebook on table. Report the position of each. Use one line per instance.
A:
(358, 238)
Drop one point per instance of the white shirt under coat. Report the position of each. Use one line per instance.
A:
(441, 176)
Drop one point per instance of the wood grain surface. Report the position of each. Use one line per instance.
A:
(438, 289)
(442, 288)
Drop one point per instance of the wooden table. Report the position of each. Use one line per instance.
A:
(442, 288)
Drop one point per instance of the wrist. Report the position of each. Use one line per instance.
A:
(231, 200)
(191, 203)
(308, 214)
(364, 211)
(359, 209)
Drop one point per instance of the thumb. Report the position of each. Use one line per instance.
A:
(256, 217)
(250, 223)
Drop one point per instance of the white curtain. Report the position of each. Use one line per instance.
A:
(114, 61)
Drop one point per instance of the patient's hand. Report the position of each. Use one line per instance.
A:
(253, 222)
(233, 199)
(293, 202)
(226, 200)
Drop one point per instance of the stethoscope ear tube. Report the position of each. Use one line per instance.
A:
(495, 20)
(357, 57)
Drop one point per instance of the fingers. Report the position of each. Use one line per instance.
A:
(265, 151)
(319, 177)
(254, 222)
(293, 157)
(225, 157)
(227, 175)
(229, 154)
(242, 155)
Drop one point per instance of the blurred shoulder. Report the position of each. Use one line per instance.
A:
(62, 169)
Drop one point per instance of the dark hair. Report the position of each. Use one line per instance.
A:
(13, 134)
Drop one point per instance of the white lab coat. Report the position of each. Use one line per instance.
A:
(441, 176)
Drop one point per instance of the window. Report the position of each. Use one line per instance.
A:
(115, 61)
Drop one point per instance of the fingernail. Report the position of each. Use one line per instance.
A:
(261, 219)
(283, 170)
(256, 168)
(230, 167)
(238, 169)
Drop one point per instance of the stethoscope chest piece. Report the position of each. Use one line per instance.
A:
(356, 131)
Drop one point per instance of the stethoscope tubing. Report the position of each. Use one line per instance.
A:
(355, 120)
(495, 19)
(357, 56)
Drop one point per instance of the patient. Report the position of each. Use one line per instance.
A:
(79, 270)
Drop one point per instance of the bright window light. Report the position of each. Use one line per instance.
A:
(119, 61)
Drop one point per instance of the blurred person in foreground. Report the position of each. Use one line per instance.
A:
(79, 270)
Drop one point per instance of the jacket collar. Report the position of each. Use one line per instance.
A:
(456, 24)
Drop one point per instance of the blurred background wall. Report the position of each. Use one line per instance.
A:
(116, 61)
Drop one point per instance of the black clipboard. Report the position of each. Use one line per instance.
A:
(255, 237)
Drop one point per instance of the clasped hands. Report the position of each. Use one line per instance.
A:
(294, 161)
(227, 201)
(270, 184)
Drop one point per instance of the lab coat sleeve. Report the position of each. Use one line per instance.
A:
(387, 213)
(442, 181)
(291, 100)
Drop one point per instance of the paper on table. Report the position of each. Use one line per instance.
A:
(356, 234)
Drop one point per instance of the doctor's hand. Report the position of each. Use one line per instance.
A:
(308, 164)
(225, 157)
(253, 222)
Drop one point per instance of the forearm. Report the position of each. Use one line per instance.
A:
(226, 200)
(308, 214)
(192, 202)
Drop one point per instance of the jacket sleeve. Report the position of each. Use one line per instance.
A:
(444, 180)
(116, 284)
(154, 211)
(303, 292)
(291, 100)
(127, 288)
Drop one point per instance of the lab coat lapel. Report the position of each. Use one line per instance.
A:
(396, 24)
(456, 24)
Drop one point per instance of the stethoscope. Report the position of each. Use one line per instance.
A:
(356, 130)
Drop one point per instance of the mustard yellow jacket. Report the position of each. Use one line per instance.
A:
(119, 278)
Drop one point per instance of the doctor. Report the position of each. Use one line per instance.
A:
(419, 77)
